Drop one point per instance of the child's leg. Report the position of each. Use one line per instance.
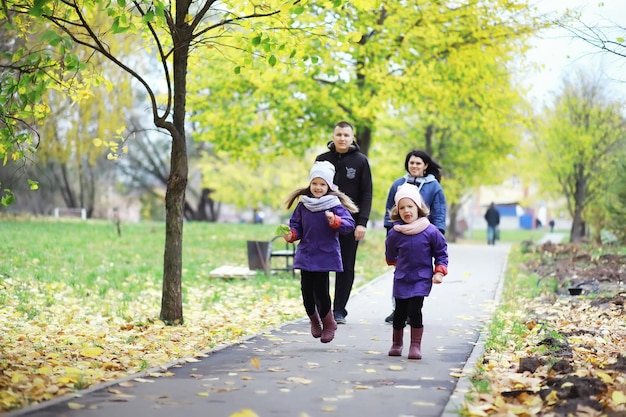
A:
(321, 287)
(414, 312)
(397, 336)
(400, 313)
(417, 327)
(322, 296)
(307, 287)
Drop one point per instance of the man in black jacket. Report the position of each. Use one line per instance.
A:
(492, 216)
(354, 178)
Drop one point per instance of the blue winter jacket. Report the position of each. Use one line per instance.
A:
(431, 192)
(319, 249)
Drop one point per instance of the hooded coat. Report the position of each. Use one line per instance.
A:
(319, 250)
(353, 176)
(413, 257)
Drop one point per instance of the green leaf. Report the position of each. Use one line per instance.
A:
(282, 229)
(34, 185)
(620, 39)
(8, 198)
(237, 70)
(148, 17)
(256, 40)
(272, 60)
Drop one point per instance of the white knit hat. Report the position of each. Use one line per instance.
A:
(409, 191)
(324, 170)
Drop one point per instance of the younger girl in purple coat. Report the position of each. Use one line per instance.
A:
(318, 219)
(412, 245)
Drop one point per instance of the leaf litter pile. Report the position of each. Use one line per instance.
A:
(560, 354)
(53, 342)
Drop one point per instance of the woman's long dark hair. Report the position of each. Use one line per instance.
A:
(433, 167)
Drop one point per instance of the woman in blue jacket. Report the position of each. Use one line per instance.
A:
(322, 213)
(425, 174)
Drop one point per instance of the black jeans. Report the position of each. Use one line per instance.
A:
(344, 280)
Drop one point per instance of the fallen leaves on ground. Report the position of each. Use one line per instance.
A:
(72, 343)
(563, 356)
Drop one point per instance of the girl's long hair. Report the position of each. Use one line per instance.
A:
(343, 199)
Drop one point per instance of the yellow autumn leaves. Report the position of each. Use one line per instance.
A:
(593, 334)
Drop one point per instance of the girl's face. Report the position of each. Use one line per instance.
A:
(318, 187)
(417, 167)
(407, 209)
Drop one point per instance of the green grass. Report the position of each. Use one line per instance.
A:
(512, 236)
(93, 261)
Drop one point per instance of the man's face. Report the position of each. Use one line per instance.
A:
(343, 138)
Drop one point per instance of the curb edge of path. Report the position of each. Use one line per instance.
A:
(453, 407)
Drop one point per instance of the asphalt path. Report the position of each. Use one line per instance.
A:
(286, 372)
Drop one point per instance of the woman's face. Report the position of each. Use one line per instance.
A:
(417, 167)
(318, 187)
(407, 209)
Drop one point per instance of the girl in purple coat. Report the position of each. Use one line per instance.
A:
(412, 245)
(318, 219)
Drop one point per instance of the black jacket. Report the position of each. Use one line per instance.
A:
(492, 216)
(353, 177)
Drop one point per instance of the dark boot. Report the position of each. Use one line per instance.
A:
(316, 325)
(415, 350)
(330, 325)
(396, 347)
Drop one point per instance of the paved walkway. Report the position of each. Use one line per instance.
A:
(285, 372)
(551, 237)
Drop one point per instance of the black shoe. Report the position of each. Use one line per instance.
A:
(339, 318)
(389, 318)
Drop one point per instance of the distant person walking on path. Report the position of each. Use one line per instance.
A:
(353, 177)
(425, 174)
(492, 216)
(412, 245)
(317, 221)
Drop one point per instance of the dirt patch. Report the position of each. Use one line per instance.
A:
(575, 266)
(577, 363)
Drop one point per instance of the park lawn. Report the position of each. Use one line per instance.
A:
(79, 303)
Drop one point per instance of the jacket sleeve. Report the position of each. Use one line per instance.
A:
(439, 248)
(389, 204)
(365, 194)
(391, 250)
(438, 211)
(295, 222)
(347, 223)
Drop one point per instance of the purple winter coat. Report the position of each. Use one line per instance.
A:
(413, 256)
(318, 250)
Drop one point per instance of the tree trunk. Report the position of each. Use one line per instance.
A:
(451, 231)
(577, 233)
(428, 140)
(364, 138)
(172, 300)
